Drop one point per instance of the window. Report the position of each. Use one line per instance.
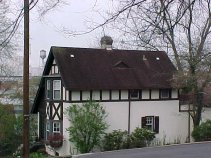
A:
(134, 94)
(48, 89)
(53, 127)
(47, 129)
(53, 89)
(150, 123)
(56, 70)
(164, 93)
(57, 89)
(56, 127)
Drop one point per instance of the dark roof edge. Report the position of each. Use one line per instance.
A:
(149, 51)
(47, 67)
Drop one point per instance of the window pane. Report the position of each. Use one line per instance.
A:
(57, 84)
(48, 94)
(56, 70)
(134, 94)
(48, 126)
(47, 129)
(164, 93)
(48, 89)
(56, 127)
(149, 122)
(57, 94)
(57, 89)
(48, 84)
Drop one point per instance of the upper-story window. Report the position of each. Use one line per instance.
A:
(56, 89)
(164, 93)
(48, 89)
(53, 89)
(134, 94)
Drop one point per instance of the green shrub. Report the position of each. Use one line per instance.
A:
(121, 140)
(141, 137)
(88, 125)
(115, 140)
(37, 155)
(202, 132)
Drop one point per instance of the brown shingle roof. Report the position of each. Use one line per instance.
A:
(97, 69)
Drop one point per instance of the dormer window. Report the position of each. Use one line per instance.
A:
(56, 89)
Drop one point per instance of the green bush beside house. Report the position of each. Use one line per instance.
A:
(118, 139)
(202, 132)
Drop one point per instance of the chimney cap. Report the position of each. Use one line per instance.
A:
(106, 40)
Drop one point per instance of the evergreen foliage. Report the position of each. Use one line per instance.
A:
(202, 132)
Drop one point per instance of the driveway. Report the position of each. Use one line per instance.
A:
(196, 150)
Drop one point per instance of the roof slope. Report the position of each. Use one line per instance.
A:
(95, 69)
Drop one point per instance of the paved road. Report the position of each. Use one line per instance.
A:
(198, 150)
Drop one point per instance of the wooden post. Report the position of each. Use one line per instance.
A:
(26, 82)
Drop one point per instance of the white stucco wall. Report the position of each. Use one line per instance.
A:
(124, 94)
(174, 93)
(155, 94)
(173, 125)
(206, 114)
(75, 95)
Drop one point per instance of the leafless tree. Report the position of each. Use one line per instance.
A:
(179, 27)
(11, 19)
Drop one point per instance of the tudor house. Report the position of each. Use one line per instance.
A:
(134, 87)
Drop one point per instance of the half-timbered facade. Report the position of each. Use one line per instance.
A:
(133, 86)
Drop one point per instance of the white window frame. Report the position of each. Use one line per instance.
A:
(134, 91)
(56, 125)
(161, 93)
(150, 122)
(56, 89)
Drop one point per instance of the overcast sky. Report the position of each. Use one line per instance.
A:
(78, 15)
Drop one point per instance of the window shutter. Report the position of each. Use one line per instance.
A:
(143, 122)
(156, 129)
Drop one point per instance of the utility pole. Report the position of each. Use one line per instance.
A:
(26, 82)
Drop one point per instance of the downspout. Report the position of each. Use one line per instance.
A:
(129, 108)
(38, 126)
(188, 122)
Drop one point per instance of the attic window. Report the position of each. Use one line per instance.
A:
(121, 64)
(165, 93)
(134, 94)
